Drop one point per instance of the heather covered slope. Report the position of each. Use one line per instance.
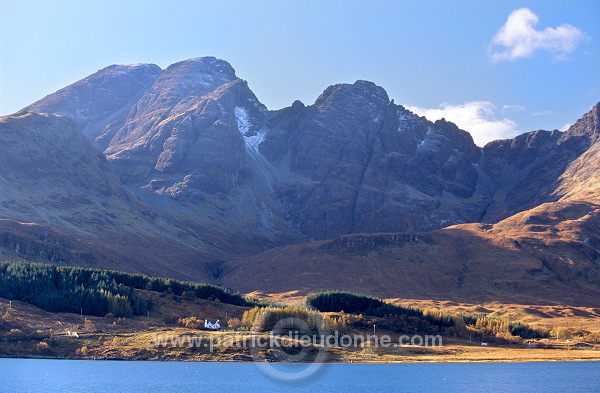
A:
(581, 179)
(547, 255)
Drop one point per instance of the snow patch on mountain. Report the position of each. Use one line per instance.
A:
(424, 143)
(251, 140)
(243, 120)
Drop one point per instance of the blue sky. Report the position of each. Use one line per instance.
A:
(497, 68)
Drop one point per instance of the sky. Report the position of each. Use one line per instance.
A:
(496, 68)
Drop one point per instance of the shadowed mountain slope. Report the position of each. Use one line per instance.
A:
(60, 200)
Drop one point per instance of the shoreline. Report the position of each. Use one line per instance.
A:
(64, 336)
(349, 361)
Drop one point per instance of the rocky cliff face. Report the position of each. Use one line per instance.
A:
(183, 135)
(542, 166)
(360, 163)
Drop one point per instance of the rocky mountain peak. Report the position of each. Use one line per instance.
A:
(97, 100)
(139, 70)
(197, 76)
(353, 95)
(180, 85)
(587, 126)
(298, 104)
(207, 65)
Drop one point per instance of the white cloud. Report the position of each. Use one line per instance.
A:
(543, 113)
(516, 108)
(476, 117)
(518, 38)
(565, 127)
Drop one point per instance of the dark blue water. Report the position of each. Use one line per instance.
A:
(34, 375)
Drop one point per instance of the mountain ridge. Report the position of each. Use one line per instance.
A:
(228, 179)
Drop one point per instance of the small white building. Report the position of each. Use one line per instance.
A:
(212, 325)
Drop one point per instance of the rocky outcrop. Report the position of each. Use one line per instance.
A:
(38, 243)
(363, 244)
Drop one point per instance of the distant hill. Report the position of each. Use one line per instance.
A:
(548, 255)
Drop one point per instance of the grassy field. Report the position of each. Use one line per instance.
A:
(27, 331)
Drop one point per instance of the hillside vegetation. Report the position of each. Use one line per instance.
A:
(96, 292)
(406, 319)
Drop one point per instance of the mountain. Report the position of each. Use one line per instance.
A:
(195, 164)
(199, 139)
(49, 169)
(581, 178)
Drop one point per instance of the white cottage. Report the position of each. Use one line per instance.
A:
(212, 325)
